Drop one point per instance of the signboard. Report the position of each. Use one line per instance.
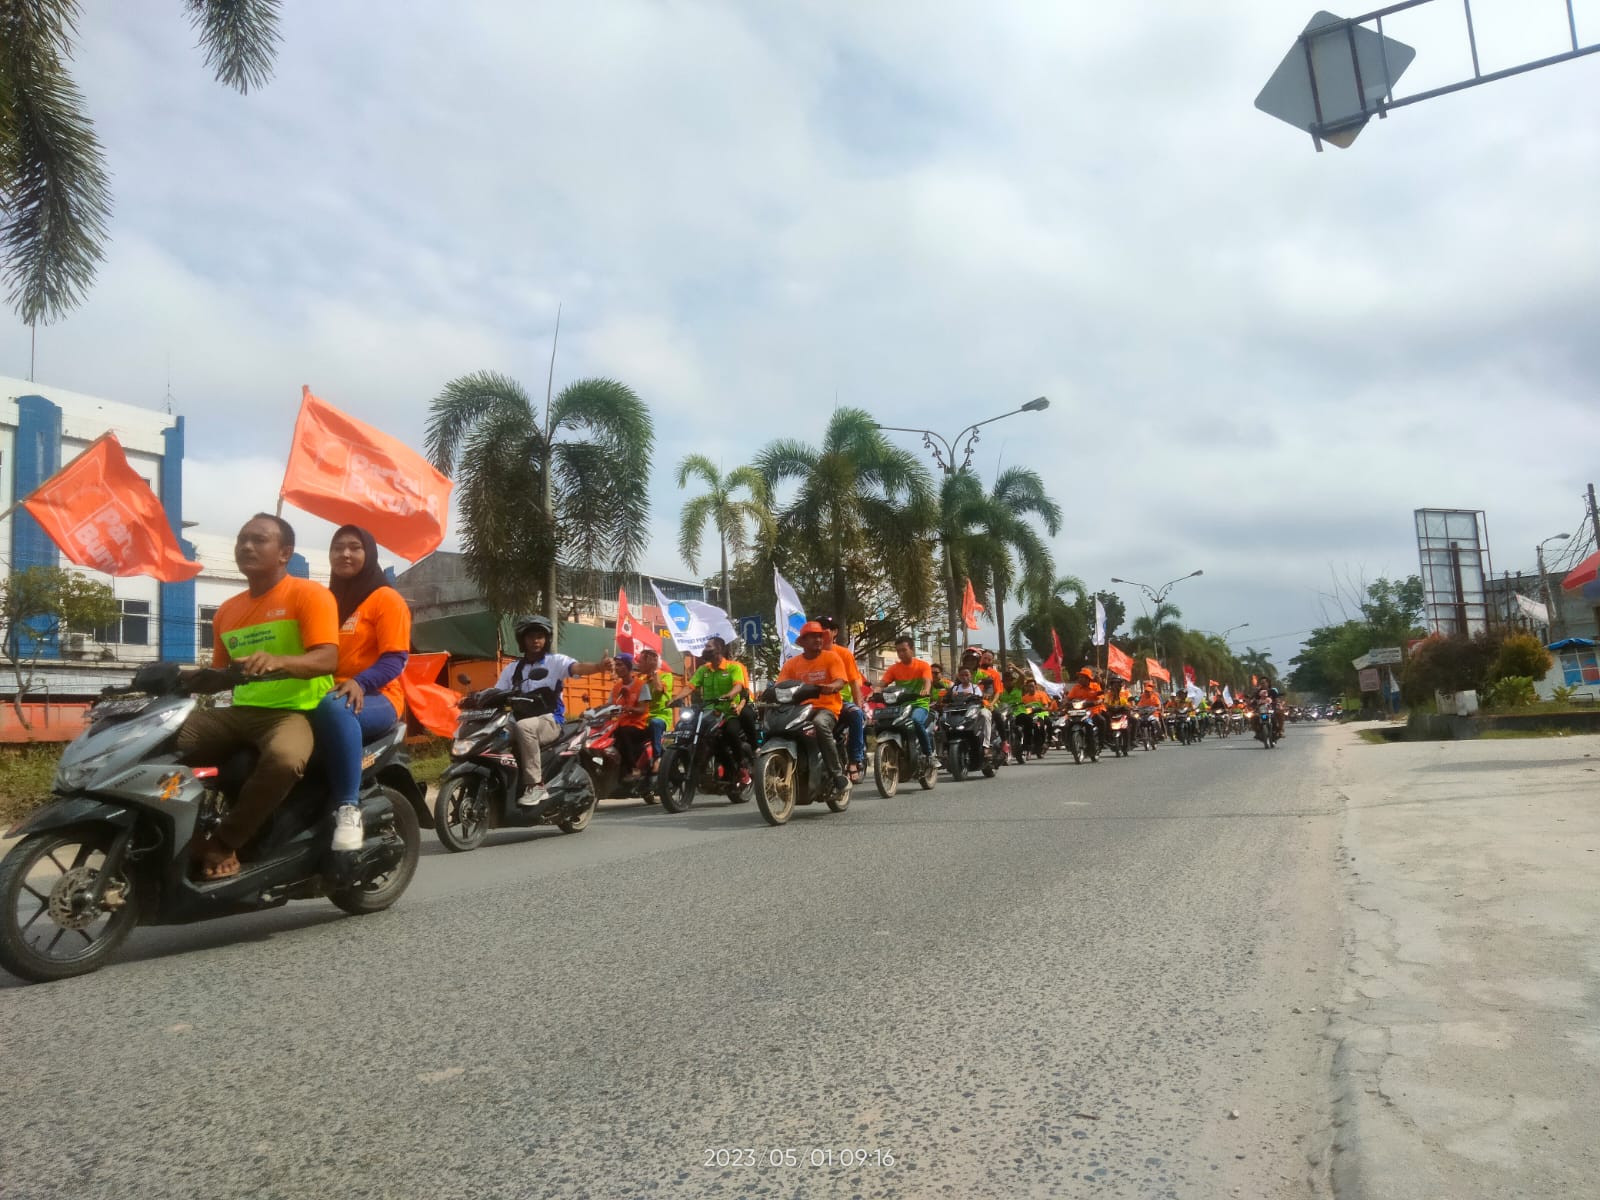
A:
(1335, 72)
(1364, 661)
(1369, 680)
(1389, 656)
(750, 630)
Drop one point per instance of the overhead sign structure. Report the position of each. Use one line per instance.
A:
(1334, 79)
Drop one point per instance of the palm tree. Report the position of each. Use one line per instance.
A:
(858, 498)
(53, 187)
(531, 497)
(1257, 662)
(1059, 606)
(1158, 630)
(727, 513)
(1008, 548)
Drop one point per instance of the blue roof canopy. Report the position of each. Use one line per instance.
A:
(1566, 643)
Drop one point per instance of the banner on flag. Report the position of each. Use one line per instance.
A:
(1156, 671)
(347, 472)
(1533, 609)
(634, 636)
(791, 616)
(970, 608)
(692, 622)
(1118, 663)
(104, 516)
(1188, 677)
(1193, 692)
(1099, 622)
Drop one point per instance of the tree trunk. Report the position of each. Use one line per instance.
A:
(1000, 622)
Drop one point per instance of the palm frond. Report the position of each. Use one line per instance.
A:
(469, 401)
(691, 528)
(698, 466)
(240, 38)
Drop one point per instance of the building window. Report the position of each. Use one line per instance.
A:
(208, 614)
(1579, 667)
(132, 629)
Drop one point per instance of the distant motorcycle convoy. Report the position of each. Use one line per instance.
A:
(109, 851)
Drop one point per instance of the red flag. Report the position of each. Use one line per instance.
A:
(433, 707)
(347, 472)
(633, 636)
(1056, 662)
(1119, 663)
(1188, 676)
(970, 608)
(102, 515)
(1156, 671)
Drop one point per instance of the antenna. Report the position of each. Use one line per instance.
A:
(169, 383)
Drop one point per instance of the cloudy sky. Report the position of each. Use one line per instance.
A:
(1259, 359)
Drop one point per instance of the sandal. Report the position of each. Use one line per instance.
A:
(214, 861)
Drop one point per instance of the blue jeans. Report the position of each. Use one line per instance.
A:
(919, 718)
(658, 727)
(855, 720)
(339, 734)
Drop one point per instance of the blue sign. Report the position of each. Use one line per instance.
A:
(750, 630)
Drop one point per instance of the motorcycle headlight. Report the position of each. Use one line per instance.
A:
(461, 747)
(75, 773)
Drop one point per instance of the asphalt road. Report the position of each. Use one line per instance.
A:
(1064, 982)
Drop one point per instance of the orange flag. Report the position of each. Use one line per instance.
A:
(1156, 671)
(102, 515)
(970, 608)
(433, 707)
(1118, 663)
(347, 472)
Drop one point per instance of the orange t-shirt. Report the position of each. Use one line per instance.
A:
(381, 624)
(288, 619)
(1091, 692)
(899, 672)
(826, 667)
(626, 694)
(852, 671)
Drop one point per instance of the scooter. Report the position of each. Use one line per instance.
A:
(1120, 723)
(1083, 733)
(111, 850)
(613, 778)
(1267, 724)
(790, 769)
(961, 736)
(478, 791)
(691, 764)
(898, 754)
(1148, 728)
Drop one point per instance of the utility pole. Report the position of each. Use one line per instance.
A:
(1594, 521)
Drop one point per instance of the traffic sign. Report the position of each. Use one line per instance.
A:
(1389, 656)
(750, 629)
(1335, 72)
(1363, 662)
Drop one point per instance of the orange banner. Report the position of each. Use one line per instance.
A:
(1118, 663)
(347, 472)
(433, 707)
(970, 608)
(104, 516)
(1156, 671)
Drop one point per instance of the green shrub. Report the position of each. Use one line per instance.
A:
(1514, 691)
(1521, 654)
(1563, 695)
(1447, 664)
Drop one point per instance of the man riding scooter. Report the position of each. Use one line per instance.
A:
(854, 714)
(536, 732)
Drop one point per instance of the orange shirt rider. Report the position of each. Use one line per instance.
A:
(1084, 687)
(853, 678)
(1149, 698)
(827, 670)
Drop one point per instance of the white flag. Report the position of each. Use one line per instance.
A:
(1533, 609)
(692, 622)
(1049, 685)
(1195, 693)
(1227, 696)
(790, 617)
(1394, 687)
(1099, 622)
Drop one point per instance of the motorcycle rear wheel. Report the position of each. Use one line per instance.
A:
(886, 768)
(672, 782)
(580, 822)
(73, 873)
(775, 787)
(461, 814)
(839, 801)
(378, 894)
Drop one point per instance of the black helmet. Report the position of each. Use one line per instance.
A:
(534, 624)
(828, 623)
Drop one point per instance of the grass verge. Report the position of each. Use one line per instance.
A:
(25, 775)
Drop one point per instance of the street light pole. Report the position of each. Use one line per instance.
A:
(1544, 585)
(1157, 595)
(945, 452)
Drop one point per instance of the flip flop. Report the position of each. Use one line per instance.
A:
(215, 861)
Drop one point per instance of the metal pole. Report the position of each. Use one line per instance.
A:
(1594, 520)
(1544, 590)
(1472, 38)
(552, 605)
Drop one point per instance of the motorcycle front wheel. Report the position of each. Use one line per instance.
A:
(672, 782)
(1075, 743)
(775, 787)
(461, 813)
(958, 761)
(379, 892)
(48, 930)
(886, 768)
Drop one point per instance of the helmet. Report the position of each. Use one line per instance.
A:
(531, 624)
(810, 627)
(826, 624)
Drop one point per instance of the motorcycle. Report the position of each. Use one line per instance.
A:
(1083, 733)
(1032, 735)
(111, 850)
(961, 736)
(614, 779)
(1266, 724)
(691, 762)
(1120, 722)
(898, 750)
(1148, 728)
(790, 769)
(1184, 730)
(478, 791)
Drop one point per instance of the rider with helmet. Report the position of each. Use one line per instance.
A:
(536, 732)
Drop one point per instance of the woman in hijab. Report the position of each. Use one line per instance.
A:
(374, 642)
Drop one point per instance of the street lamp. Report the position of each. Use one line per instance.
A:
(1544, 584)
(945, 452)
(1157, 595)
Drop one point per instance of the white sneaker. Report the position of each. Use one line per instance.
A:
(348, 831)
(534, 796)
